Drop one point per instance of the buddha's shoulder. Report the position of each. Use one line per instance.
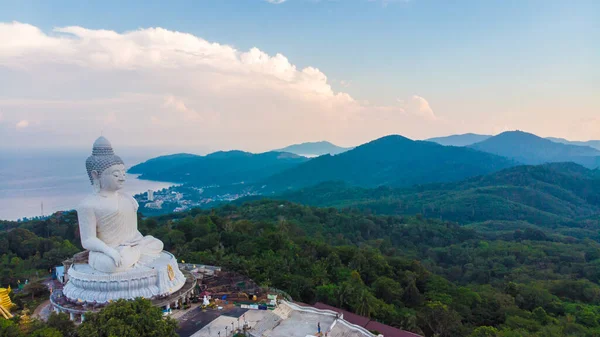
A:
(125, 196)
(129, 197)
(89, 202)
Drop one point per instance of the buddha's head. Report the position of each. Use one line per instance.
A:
(105, 170)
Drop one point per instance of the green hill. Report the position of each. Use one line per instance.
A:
(219, 168)
(546, 195)
(392, 161)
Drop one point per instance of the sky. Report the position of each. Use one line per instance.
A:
(257, 75)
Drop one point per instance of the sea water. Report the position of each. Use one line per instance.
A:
(58, 180)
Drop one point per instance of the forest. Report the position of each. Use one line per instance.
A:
(550, 195)
(429, 276)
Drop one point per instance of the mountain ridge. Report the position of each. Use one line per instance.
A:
(464, 139)
(221, 167)
(391, 160)
(591, 143)
(314, 149)
(528, 148)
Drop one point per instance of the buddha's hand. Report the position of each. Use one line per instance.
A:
(114, 254)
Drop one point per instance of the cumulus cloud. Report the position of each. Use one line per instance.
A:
(418, 106)
(422, 106)
(179, 106)
(276, 2)
(181, 89)
(22, 124)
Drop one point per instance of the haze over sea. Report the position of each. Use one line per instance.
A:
(56, 178)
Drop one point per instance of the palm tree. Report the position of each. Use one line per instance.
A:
(364, 306)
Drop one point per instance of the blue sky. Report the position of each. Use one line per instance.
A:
(482, 66)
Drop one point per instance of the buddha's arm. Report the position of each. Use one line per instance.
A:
(89, 240)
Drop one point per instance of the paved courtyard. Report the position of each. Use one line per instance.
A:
(210, 322)
(301, 324)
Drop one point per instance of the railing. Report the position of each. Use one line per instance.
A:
(353, 327)
(312, 310)
(57, 293)
(191, 266)
(340, 317)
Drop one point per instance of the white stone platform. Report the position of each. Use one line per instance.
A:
(149, 279)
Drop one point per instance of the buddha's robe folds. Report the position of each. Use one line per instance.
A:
(111, 221)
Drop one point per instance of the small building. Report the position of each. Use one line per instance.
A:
(150, 195)
(155, 204)
(59, 274)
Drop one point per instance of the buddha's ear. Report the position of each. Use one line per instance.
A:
(96, 181)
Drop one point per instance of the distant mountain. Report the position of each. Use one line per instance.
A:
(314, 149)
(546, 195)
(528, 148)
(219, 168)
(592, 143)
(459, 140)
(393, 161)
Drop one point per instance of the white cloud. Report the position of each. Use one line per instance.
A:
(422, 106)
(180, 88)
(22, 124)
(178, 105)
(345, 84)
(276, 2)
(418, 106)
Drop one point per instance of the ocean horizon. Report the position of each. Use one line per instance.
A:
(57, 180)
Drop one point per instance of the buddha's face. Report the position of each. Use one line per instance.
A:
(112, 178)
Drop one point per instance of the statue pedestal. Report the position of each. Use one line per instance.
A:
(153, 279)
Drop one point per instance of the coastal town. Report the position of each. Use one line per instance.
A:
(180, 198)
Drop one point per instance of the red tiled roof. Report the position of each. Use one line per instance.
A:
(385, 330)
(302, 304)
(388, 331)
(348, 316)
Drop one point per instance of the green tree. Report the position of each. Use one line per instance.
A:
(411, 295)
(46, 332)
(35, 289)
(485, 331)
(62, 323)
(8, 328)
(440, 319)
(128, 319)
(387, 289)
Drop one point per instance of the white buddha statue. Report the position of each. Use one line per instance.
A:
(108, 218)
(122, 263)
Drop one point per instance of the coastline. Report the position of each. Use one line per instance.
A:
(25, 201)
